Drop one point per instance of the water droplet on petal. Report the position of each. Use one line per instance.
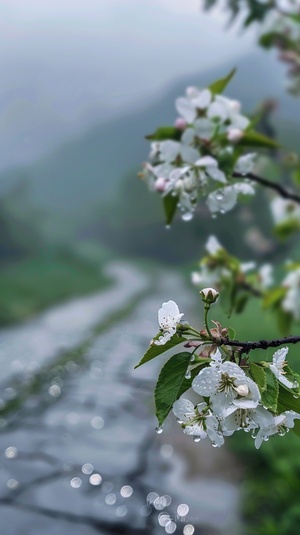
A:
(187, 216)
(159, 429)
(196, 439)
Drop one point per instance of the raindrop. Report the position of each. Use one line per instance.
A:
(11, 452)
(295, 384)
(163, 519)
(188, 529)
(222, 212)
(97, 422)
(95, 480)
(196, 439)
(110, 499)
(12, 484)
(166, 451)
(126, 491)
(188, 374)
(121, 510)
(167, 227)
(192, 358)
(159, 503)
(167, 500)
(170, 527)
(295, 396)
(187, 216)
(87, 468)
(151, 497)
(183, 509)
(159, 429)
(219, 196)
(215, 445)
(54, 391)
(76, 482)
(214, 216)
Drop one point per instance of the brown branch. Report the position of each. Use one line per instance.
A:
(245, 347)
(269, 184)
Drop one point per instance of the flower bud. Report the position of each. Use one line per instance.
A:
(183, 326)
(209, 295)
(160, 184)
(234, 134)
(242, 390)
(180, 123)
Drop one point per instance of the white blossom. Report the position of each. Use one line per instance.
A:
(265, 274)
(280, 424)
(168, 319)
(236, 419)
(222, 384)
(200, 422)
(277, 367)
(291, 301)
(290, 7)
(245, 164)
(224, 199)
(210, 167)
(195, 100)
(284, 210)
(213, 245)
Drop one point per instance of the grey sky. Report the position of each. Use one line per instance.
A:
(66, 64)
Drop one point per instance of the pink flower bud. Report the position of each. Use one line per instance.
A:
(234, 134)
(180, 123)
(160, 184)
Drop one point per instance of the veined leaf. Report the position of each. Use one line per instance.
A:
(155, 350)
(258, 375)
(165, 132)
(219, 85)
(269, 396)
(171, 384)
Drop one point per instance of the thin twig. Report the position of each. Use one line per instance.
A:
(245, 347)
(269, 184)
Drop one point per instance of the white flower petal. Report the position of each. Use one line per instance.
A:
(213, 246)
(186, 109)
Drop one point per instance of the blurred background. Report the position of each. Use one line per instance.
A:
(86, 261)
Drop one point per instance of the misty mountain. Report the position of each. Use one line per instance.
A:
(88, 169)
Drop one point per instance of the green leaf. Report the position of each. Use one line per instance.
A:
(284, 320)
(269, 396)
(255, 139)
(296, 176)
(296, 427)
(155, 350)
(170, 206)
(258, 375)
(240, 303)
(285, 229)
(171, 384)
(231, 333)
(274, 297)
(165, 132)
(287, 402)
(219, 85)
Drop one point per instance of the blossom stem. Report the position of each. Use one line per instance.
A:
(206, 309)
(269, 184)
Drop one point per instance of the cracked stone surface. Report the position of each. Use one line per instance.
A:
(88, 429)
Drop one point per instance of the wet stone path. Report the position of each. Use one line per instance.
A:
(78, 451)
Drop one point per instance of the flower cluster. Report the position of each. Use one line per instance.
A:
(233, 403)
(200, 157)
(219, 269)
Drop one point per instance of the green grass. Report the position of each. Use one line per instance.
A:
(38, 282)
